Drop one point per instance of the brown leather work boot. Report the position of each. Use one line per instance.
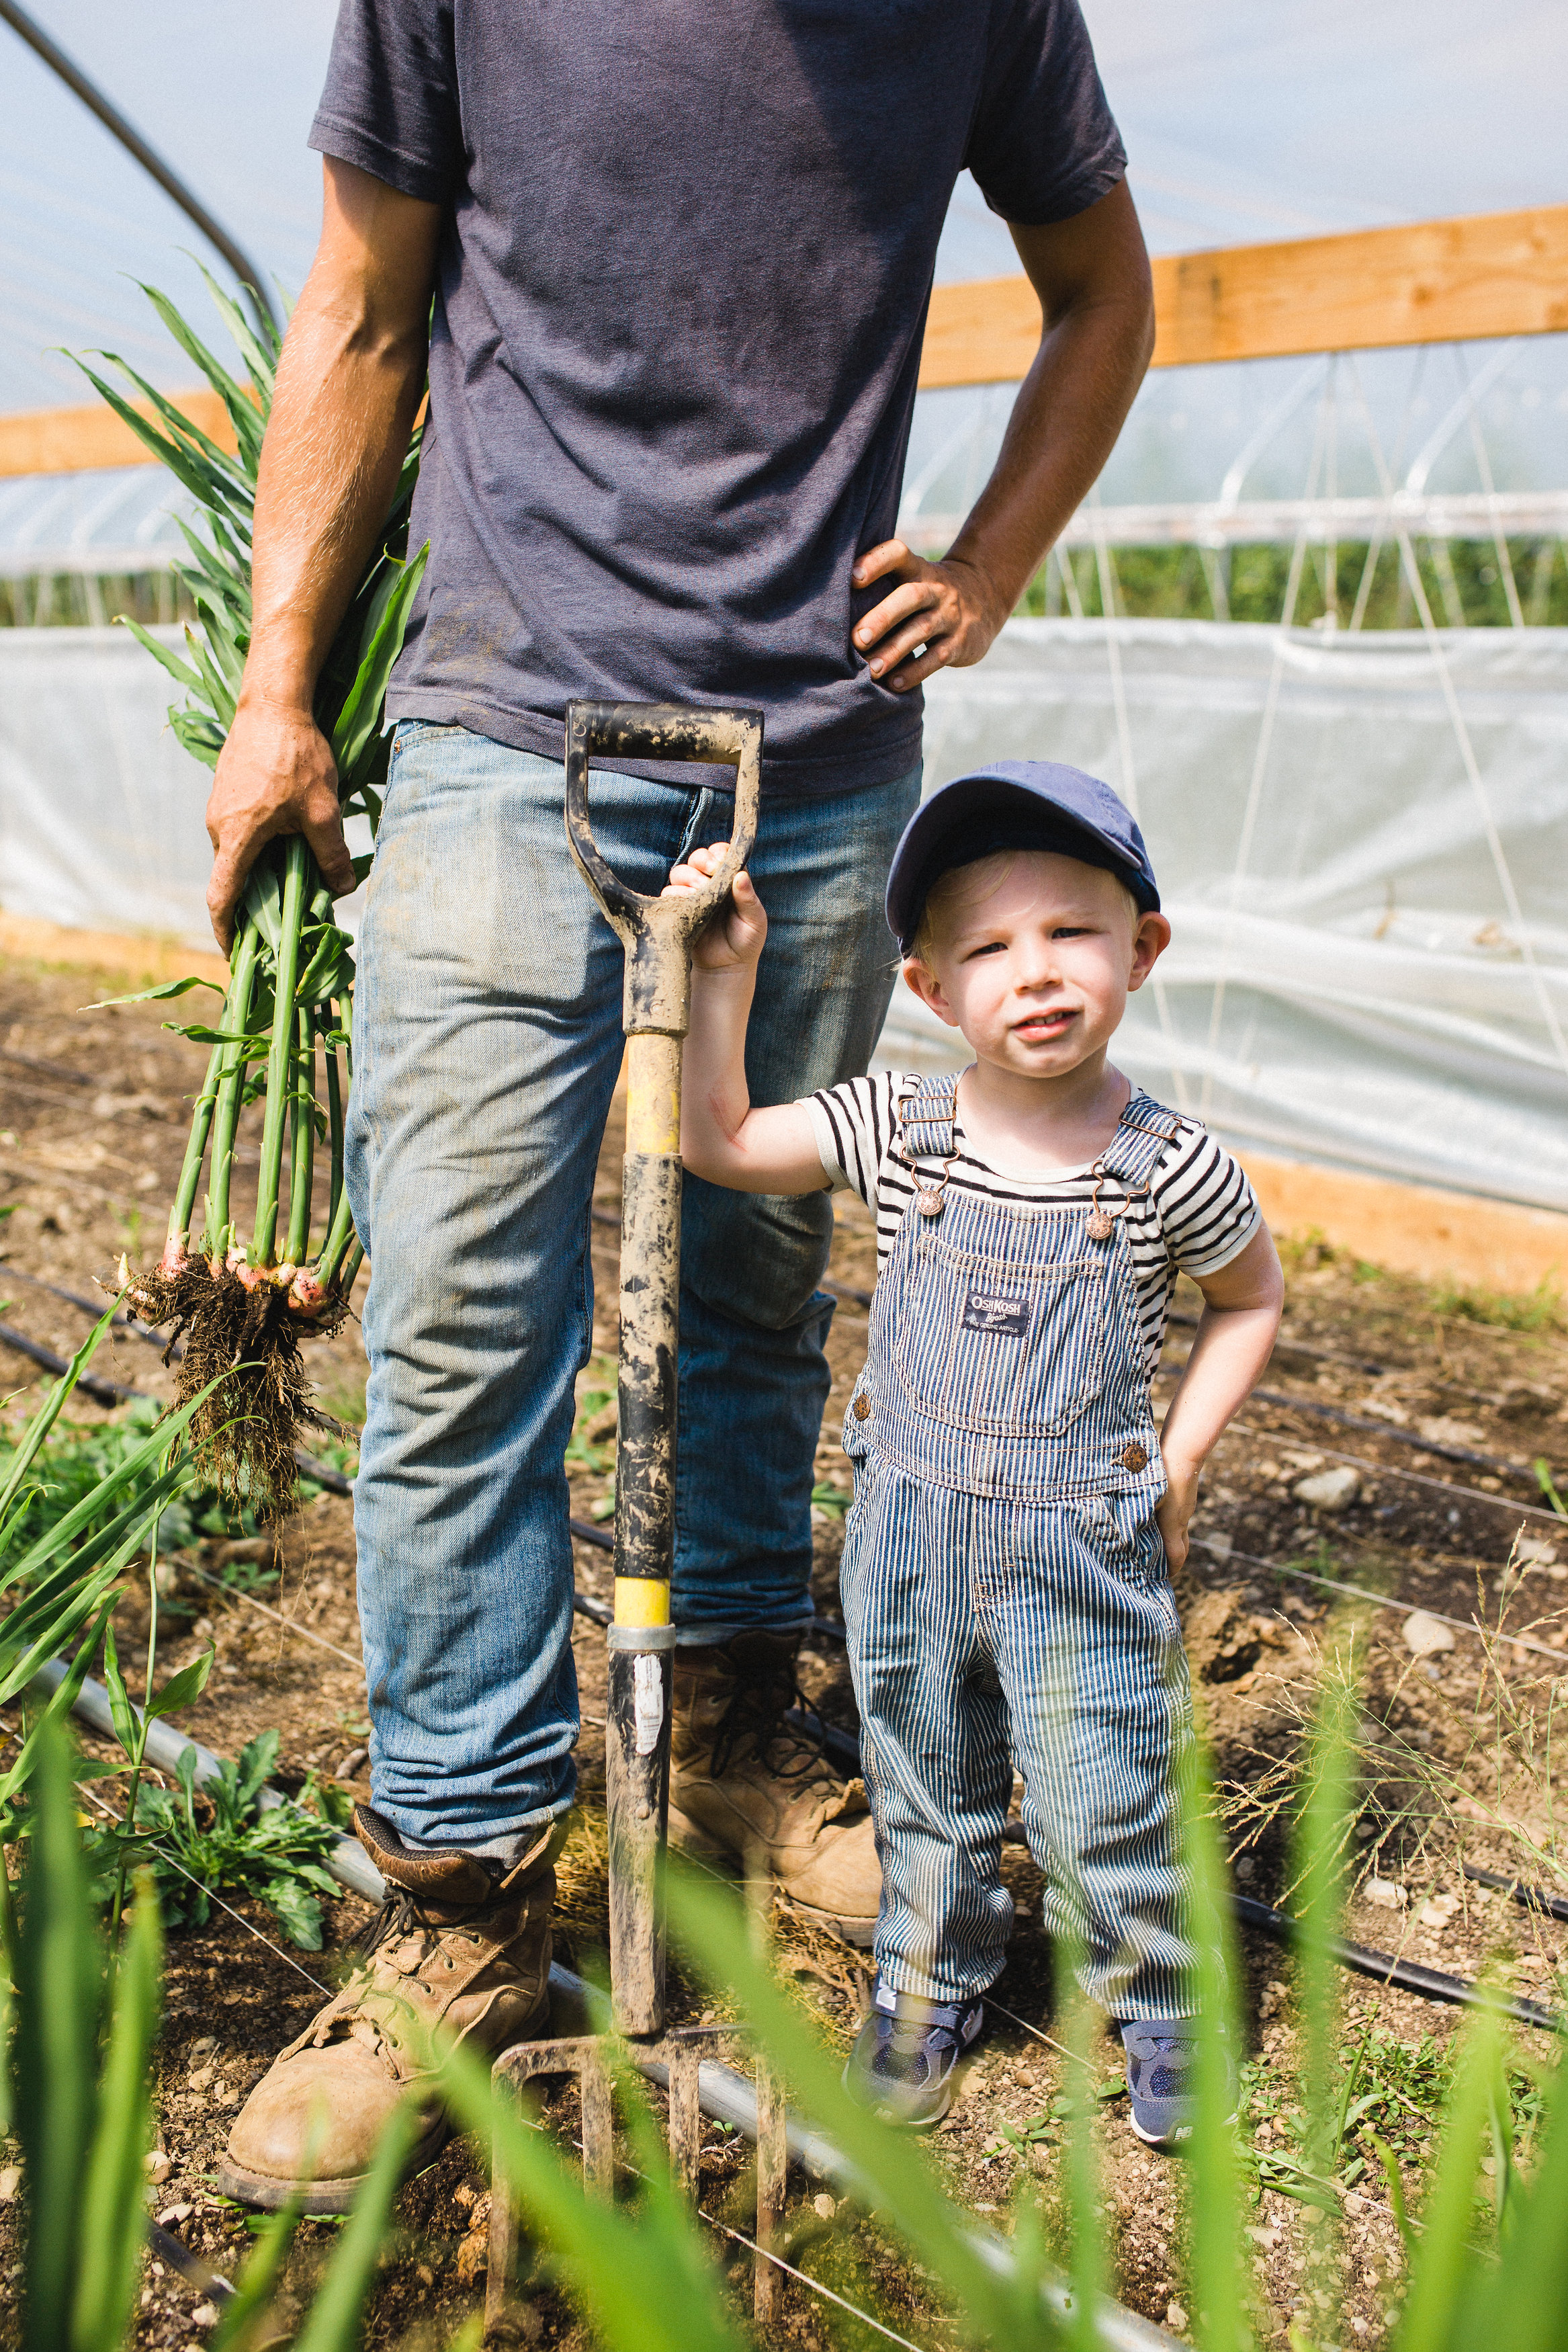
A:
(741, 1778)
(459, 1944)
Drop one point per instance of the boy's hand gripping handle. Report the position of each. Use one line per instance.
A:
(658, 934)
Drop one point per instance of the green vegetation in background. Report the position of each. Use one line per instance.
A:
(69, 600)
(1540, 1310)
(1462, 577)
(600, 1392)
(82, 1459)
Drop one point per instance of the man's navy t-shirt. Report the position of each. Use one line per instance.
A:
(682, 280)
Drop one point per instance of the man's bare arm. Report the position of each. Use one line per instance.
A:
(1092, 275)
(348, 386)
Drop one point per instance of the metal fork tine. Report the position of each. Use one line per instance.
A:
(598, 2122)
(772, 2166)
(686, 2122)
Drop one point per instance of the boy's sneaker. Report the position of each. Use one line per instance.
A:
(1162, 2056)
(902, 2064)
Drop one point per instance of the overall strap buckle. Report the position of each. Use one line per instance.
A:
(1129, 1161)
(926, 1116)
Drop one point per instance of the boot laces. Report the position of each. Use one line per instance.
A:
(401, 1914)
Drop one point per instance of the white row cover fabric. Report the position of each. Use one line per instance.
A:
(1370, 960)
(101, 809)
(1369, 963)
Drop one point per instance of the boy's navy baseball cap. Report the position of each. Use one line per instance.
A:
(1015, 804)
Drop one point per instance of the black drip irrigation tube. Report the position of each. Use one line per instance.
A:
(112, 1392)
(1408, 1976)
(1529, 1898)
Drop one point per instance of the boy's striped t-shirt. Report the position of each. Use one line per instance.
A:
(1198, 1214)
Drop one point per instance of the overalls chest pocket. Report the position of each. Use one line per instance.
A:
(989, 1344)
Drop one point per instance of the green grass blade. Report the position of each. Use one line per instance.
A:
(1521, 2302)
(254, 2287)
(224, 650)
(1443, 2257)
(330, 970)
(242, 413)
(120, 1709)
(48, 1412)
(57, 2092)
(260, 359)
(61, 1701)
(208, 483)
(1088, 2272)
(219, 564)
(180, 672)
(360, 720)
(110, 2219)
(709, 1925)
(335, 2320)
(195, 443)
(1317, 1872)
(1217, 2287)
(170, 988)
(218, 694)
(64, 1533)
(202, 738)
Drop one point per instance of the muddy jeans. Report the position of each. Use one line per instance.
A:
(486, 1045)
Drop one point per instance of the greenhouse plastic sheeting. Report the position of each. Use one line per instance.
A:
(101, 809)
(1370, 960)
(1363, 846)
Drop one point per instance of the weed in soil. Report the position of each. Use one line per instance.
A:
(220, 1841)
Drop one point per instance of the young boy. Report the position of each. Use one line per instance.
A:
(1017, 1513)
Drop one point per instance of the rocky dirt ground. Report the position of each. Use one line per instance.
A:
(1433, 1405)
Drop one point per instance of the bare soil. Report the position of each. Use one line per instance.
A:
(92, 1119)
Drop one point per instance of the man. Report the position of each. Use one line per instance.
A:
(668, 266)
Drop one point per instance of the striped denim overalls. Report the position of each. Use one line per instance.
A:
(1005, 1584)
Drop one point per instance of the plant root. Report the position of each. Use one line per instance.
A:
(245, 1334)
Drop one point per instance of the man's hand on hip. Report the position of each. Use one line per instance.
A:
(275, 776)
(938, 617)
(1097, 330)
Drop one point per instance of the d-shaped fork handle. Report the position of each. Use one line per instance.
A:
(658, 933)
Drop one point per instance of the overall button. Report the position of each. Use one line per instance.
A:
(862, 1408)
(1134, 1458)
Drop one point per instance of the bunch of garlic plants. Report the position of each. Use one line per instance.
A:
(284, 1035)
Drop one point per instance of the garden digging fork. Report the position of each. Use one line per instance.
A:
(658, 935)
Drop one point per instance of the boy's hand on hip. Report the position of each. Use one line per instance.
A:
(734, 939)
(939, 615)
(1174, 1510)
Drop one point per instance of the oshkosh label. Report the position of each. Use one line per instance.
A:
(993, 1311)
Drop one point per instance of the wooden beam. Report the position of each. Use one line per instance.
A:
(1435, 282)
(79, 440)
(1489, 274)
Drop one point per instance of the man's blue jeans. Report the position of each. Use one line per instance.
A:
(487, 1046)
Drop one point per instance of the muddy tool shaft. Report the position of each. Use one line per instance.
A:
(658, 935)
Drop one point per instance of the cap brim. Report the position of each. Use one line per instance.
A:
(968, 802)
